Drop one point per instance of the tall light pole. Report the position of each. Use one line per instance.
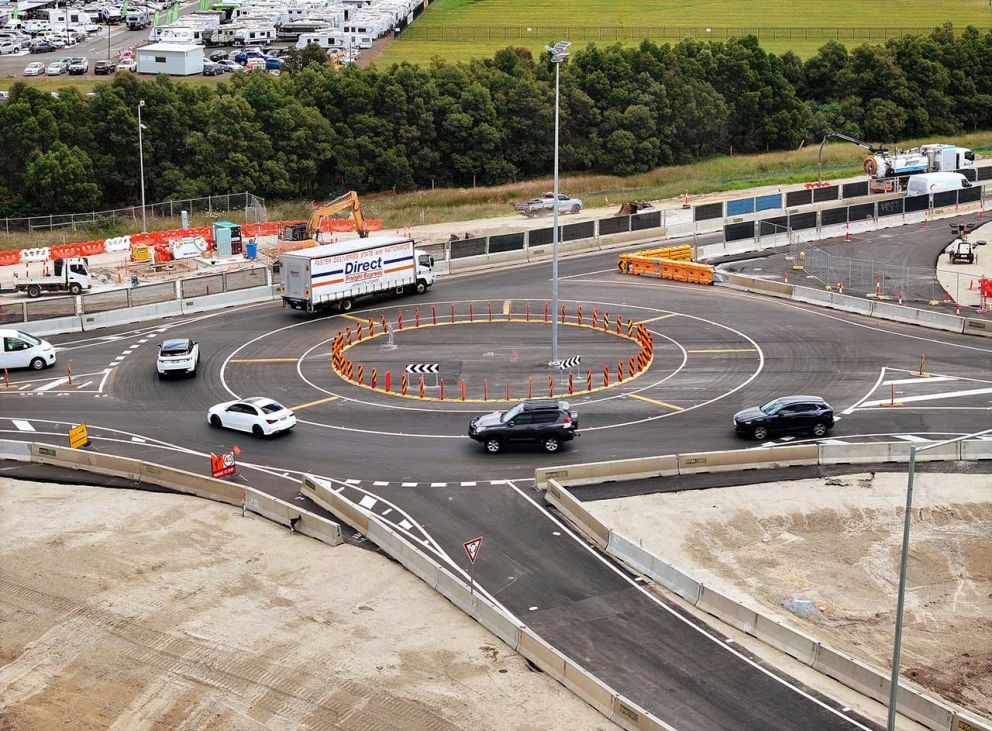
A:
(141, 162)
(559, 54)
(903, 565)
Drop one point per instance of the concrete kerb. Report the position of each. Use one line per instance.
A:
(300, 521)
(15, 451)
(418, 564)
(576, 513)
(965, 722)
(128, 315)
(628, 715)
(594, 472)
(324, 495)
(784, 638)
(103, 464)
(887, 452)
(760, 458)
(727, 610)
(646, 563)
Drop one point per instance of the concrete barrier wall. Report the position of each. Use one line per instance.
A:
(745, 459)
(324, 495)
(301, 521)
(575, 511)
(594, 472)
(646, 563)
(193, 484)
(978, 327)
(16, 451)
(52, 326)
(786, 639)
(967, 722)
(103, 464)
(726, 609)
(227, 299)
(913, 316)
(884, 452)
(128, 315)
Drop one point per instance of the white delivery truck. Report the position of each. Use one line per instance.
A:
(338, 274)
(71, 275)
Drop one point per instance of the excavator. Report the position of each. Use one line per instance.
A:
(307, 232)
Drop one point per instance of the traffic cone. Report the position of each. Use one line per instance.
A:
(847, 232)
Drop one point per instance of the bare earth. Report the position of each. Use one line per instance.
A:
(130, 610)
(837, 542)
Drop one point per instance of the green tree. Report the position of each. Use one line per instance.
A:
(61, 180)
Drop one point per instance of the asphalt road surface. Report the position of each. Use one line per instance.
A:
(716, 351)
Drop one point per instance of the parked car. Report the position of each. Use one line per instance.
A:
(178, 356)
(8, 47)
(40, 45)
(546, 422)
(258, 415)
(229, 66)
(79, 66)
(274, 64)
(21, 350)
(249, 53)
(784, 415)
(55, 68)
(103, 68)
(216, 56)
(4, 97)
(35, 68)
(212, 69)
(128, 64)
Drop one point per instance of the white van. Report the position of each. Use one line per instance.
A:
(930, 183)
(21, 350)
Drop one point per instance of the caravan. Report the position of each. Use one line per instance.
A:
(254, 36)
(327, 39)
(293, 30)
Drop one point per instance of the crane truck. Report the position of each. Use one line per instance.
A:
(881, 166)
(337, 274)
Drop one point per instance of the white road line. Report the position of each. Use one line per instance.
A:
(405, 524)
(368, 502)
(409, 484)
(932, 396)
(386, 512)
(850, 409)
(53, 384)
(833, 442)
(139, 440)
(498, 482)
(702, 630)
(787, 439)
(439, 484)
(468, 484)
(23, 425)
(353, 482)
(380, 484)
(586, 274)
(911, 438)
(919, 380)
(84, 385)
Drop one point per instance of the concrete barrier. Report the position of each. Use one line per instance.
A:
(301, 521)
(572, 509)
(589, 688)
(51, 326)
(786, 639)
(966, 722)
(971, 450)
(103, 464)
(450, 587)
(726, 609)
(978, 327)
(542, 654)
(496, 621)
(410, 556)
(914, 704)
(630, 716)
(748, 459)
(595, 472)
(850, 672)
(812, 296)
(658, 570)
(192, 483)
(847, 303)
(128, 315)
(322, 493)
(227, 299)
(879, 452)
(775, 289)
(15, 451)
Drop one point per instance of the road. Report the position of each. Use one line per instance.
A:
(716, 350)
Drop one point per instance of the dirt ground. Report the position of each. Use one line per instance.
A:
(836, 541)
(130, 610)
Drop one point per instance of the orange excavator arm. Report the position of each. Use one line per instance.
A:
(347, 201)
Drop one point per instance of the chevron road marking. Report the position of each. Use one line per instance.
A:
(655, 402)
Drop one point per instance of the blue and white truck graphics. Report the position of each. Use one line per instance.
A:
(338, 274)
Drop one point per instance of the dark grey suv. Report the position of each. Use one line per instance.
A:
(547, 422)
(789, 414)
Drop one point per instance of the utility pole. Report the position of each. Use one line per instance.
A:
(559, 54)
(141, 162)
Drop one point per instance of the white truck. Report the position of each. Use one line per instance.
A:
(70, 275)
(546, 203)
(337, 274)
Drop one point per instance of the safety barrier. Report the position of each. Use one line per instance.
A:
(52, 326)
(190, 483)
(476, 605)
(911, 702)
(228, 299)
(672, 262)
(126, 316)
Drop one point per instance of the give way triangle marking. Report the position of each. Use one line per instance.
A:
(472, 548)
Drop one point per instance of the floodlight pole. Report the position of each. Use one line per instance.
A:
(558, 56)
(141, 162)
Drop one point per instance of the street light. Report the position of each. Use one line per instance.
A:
(904, 561)
(141, 162)
(559, 54)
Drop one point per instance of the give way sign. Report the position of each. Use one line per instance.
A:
(472, 548)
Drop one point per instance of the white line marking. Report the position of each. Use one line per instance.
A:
(84, 385)
(919, 380)
(405, 524)
(352, 482)
(368, 502)
(675, 614)
(586, 274)
(911, 438)
(850, 409)
(787, 439)
(23, 425)
(380, 484)
(139, 440)
(53, 384)
(833, 442)
(932, 396)
(386, 512)
(439, 484)
(409, 484)
(498, 482)
(468, 484)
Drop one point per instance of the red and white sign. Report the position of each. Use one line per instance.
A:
(472, 548)
(223, 465)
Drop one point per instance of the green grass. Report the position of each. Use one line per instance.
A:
(584, 21)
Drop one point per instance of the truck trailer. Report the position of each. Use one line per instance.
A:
(336, 275)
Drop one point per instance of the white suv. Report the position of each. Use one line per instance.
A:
(178, 356)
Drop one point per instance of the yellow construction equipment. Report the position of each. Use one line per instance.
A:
(306, 233)
(670, 262)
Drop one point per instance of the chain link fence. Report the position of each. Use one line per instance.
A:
(252, 205)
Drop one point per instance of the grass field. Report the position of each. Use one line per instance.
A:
(579, 20)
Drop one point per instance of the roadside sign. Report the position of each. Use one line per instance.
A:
(78, 437)
(472, 548)
(222, 465)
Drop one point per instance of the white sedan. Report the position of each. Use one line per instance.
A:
(259, 415)
(35, 68)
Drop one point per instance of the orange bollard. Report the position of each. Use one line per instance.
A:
(389, 381)
(490, 305)
(606, 321)
(371, 327)
(588, 380)
(403, 384)
(421, 387)
(485, 389)
(595, 318)
(384, 323)
(441, 381)
(434, 313)
(632, 365)
(551, 386)
(619, 371)
(471, 312)
(374, 374)
(68, 372)
(507, 390)
(571, 386)
(578, 314)
(463, 388)
(399, 320)
(546, 306)
(630, 328)
(619, 324)
(416, 316)
(562, 314)
(6, 379)
(606, 375)
(361, 374)
(349, 336)
(360, 326)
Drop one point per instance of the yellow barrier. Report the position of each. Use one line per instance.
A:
(669, 262)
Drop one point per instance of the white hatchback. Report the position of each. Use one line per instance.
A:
(35, 68)
(178, 356)
(259, 415)
(21, 350)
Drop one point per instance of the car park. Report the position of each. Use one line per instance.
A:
(545, 422)
(55, 68)
(788, 414)
(178, 356)
(103, 68)
(78, 66)
(21, 350)
(35, 68)
(258, 415)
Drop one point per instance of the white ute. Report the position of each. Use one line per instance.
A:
(71, 275)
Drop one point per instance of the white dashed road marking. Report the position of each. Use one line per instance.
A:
(53, 384)
(368, 502)
(23, 425)
(911, 438)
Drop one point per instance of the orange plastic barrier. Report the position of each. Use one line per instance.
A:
(63, 251)
(92, 248)
(9, 257)
(373, 224)
(663, 268)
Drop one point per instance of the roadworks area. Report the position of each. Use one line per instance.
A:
(134, 610)
(823, 555)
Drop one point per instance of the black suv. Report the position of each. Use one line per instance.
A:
(787, 414)
(547, 422)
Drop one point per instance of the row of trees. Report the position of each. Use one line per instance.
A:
(318, 130)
